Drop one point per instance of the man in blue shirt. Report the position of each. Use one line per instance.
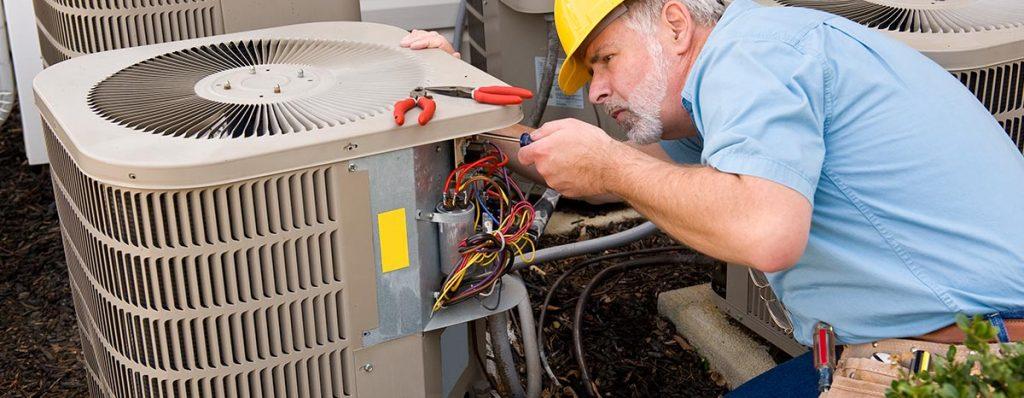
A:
(874, 190)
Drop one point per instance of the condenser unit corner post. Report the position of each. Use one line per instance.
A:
(242, 217)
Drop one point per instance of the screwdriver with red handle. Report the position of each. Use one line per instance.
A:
(824, 349)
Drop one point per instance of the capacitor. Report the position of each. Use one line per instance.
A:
(453, 226)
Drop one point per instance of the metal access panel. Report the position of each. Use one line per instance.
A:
(509, 40)
(745, 302)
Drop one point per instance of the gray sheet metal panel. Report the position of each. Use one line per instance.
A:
(411, 179)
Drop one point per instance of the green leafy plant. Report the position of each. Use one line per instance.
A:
(984, 373)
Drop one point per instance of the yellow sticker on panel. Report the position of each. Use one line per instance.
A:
(394, 240)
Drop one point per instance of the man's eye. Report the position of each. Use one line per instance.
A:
(607, 58)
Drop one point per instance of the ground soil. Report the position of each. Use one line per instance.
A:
(631, 350)
(39, 347)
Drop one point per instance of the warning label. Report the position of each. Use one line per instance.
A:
(558, 98)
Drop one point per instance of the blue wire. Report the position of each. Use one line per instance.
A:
(480, 201)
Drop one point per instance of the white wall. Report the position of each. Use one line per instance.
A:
(21, 29)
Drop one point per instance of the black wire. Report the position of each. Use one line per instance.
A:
(577, 341)
(574, 269)
(497, 285)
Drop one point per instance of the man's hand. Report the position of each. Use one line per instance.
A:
(421, 39)
(572, 156)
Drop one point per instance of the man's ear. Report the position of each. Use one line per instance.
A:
(677, 18)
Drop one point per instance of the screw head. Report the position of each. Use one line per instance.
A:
(227, 86)
(277, 89)
(131, 176)
(302, 73)
(368, 367)
(252, 70)
(352, 167)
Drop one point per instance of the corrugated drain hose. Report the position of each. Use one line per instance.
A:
(547, 79)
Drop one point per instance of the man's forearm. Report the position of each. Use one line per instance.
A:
(730, 217)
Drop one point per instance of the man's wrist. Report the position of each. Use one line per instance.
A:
(621, 174)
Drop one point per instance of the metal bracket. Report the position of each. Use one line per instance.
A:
(513, 291)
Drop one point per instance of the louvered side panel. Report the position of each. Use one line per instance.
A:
(72, 28)
(232, 290)
(1015, 128)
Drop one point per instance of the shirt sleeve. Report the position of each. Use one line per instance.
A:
(686, 150)
(760, 108)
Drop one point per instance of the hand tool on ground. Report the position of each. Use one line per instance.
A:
(824, 354)
(493, 95)
(417, 98)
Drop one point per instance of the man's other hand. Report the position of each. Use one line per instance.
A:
(422, 39)
(572, 156)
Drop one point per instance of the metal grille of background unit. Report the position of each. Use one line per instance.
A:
(160, 96)
(1015, 127)
(232, 290)
(758, 306)
(1001, 89)
(69, 28)
(948, 16)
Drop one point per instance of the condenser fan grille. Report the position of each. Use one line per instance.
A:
(256, 88)
(918, 16)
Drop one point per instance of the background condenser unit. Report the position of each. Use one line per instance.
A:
(69, 28)
(981, 42)
(242, 217)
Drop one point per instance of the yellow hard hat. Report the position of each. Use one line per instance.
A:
(575, 20)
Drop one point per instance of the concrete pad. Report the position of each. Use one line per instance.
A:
(563, 223)
(729, 350)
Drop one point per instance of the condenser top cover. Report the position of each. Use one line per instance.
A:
(226, 108)
(959, 34)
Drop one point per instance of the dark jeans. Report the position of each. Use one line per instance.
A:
(796, 378)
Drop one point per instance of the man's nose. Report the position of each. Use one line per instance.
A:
(599, 89)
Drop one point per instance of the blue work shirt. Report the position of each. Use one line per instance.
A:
(918, 193)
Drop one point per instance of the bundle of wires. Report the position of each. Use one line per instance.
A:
(500, 227)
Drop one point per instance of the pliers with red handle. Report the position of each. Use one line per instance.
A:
(493, 95)
(418, 97)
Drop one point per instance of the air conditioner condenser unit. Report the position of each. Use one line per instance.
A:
(242, 217)
(68, 29)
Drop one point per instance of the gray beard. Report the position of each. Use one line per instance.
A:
(643, 119)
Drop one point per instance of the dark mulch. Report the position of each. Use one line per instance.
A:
(39, 347)
(631, 350)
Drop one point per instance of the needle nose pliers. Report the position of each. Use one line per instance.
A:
(493, 95)
(417, 97)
